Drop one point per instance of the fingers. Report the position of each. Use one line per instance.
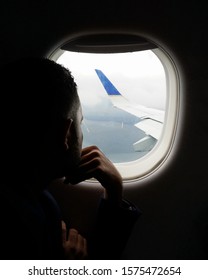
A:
(86, 166)
(73, 237)
(82, 247)
(94, 164)
(63, 225)
(89, 154)
(90, 163)
(76, 245)
(93, 159)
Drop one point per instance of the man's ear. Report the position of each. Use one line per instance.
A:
(67, 132)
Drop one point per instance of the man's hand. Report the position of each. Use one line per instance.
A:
(95, 164)
(75, 246)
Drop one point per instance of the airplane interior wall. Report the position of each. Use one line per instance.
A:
(174, 199)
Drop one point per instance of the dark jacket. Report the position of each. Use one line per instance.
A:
(31, 227)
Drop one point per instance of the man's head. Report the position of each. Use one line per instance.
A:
(40, 117)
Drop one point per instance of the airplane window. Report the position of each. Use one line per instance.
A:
(124, 98)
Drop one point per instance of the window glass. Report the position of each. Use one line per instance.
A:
(123, 98)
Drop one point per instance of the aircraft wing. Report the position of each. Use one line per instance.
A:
(151, 120)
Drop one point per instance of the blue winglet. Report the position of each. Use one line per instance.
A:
(109, 87)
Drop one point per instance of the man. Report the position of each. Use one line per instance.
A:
(41, 140)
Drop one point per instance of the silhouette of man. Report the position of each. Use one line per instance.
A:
(41, 140)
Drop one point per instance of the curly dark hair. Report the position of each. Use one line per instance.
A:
(38, 86)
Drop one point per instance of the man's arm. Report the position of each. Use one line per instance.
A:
(116, 216)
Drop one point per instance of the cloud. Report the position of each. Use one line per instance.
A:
(139, 76)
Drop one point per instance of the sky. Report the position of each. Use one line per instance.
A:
(139, 76)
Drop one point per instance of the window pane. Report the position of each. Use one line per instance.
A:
(123, 98)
